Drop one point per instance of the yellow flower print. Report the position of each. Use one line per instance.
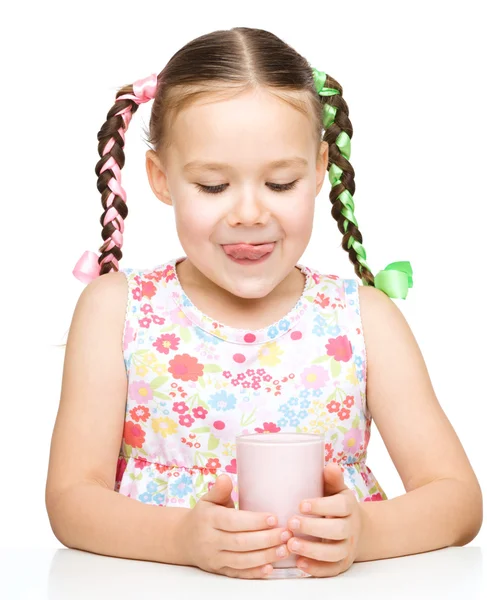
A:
(164, 425)
(269, 354)
(150, 357)
(352, 374)
(160, 369)
(141, 370)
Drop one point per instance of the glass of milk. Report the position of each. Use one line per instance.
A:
(275, 473)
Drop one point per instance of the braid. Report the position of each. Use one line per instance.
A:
(338, 133)
(111, 140)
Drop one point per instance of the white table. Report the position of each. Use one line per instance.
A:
(65, 574)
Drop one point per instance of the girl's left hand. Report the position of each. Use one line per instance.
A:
(338, 530)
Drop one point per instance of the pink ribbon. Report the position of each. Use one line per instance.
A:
(87, 267)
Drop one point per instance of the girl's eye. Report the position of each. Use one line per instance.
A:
(216, 189)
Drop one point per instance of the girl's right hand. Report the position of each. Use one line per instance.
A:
(219, 539)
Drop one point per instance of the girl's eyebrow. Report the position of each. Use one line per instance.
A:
(214, 166)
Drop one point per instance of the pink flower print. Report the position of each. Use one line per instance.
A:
(186, 420)
(227, 374)
(322, 300)
(352, 440)
(232, 467)
(121, 466)
(333, 406)
(129, 335)
(145, 322)
(226, 432)
(177, 316)
(261, 372)
(314, 377)
(185, 367)
(343, 414)
(340, 348)
(140, 391)
(146, 308)
(365, 477)
(129, 488)
(148, 289)
(166, 342)
(374, 497)
(158, 320)
(267, 377)
(199, 412)
(169, 273)
(268, 428)
(180, 407)
(349, 401)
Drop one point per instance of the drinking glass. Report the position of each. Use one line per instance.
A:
(275, 473)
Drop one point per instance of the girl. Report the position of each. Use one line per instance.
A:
(238, 337)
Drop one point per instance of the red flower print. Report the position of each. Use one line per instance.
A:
(133, 434)
(374, 497)
(340, 348)
(322, 300)
(121, 466)
(148, 289)
(232, 467)
(169, 273)
(268, 428)
(140, 463)
(333, 406)
(329, 452)
(166, 342)
(199, 412)
(344, 414)
(186, 420)
(349, 401)
(213, 463)
(140, 413)
(185, 367)
(180, 407)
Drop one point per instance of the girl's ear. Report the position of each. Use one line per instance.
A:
(321, 164)
(157, 177)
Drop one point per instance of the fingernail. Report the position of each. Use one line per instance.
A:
(286, 535)
(306, 507)
(294, 523)
(272, 521)
(295, 545)
(281, 551)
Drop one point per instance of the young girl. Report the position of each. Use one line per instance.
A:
(238, 337)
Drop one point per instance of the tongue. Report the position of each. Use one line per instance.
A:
(248, 250)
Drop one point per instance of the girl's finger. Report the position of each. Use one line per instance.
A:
(261, 572)
(338, 528)
(323, 551)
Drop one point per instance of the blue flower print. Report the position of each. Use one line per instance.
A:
(284, 408)
(145, 497)
(319, 331)
(284, 325)
(350, 460)
(290, 414)
(304, 403)
(350, 286)
(302, 414)
(159, 498)
(303, 393)
(182, 486)
(358, 360)
(152, 487)
(294, 422)
(282, 422)
(334, 330)
(293, 401)
(319, 320)
(222, 400)
(186, 300)
(318, 392)
(272, 332)
(207, 337)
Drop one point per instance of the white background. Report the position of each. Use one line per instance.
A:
(414, 80)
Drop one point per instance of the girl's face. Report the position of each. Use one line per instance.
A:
(245, 135)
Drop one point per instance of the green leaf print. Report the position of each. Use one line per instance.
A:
(360, 495)
(309, 298)
(127, 450)
(158, 381)
(342, 429)
(334, 437)
(373, 489)
(199, 480)
(356, 422)
(335, 367)
(201, 381)
(192, 502)
(161, 396)
(201, 430)
(212, 368)
(320, 359)
(185, 334)
(213, 442)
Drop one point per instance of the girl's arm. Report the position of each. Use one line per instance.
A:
(84, 510)
(443, 501)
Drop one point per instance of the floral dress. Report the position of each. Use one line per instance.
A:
(195, 384)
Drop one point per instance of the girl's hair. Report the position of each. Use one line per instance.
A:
(221, 65)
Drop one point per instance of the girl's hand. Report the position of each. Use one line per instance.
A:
(338, 530)
(237, 543)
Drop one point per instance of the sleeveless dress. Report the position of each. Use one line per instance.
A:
(195, 384)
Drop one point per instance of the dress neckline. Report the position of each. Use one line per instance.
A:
(226, 332)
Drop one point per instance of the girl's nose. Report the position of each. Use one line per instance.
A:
(248, 210)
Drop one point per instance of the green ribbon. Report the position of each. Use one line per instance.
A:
(397, 277)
